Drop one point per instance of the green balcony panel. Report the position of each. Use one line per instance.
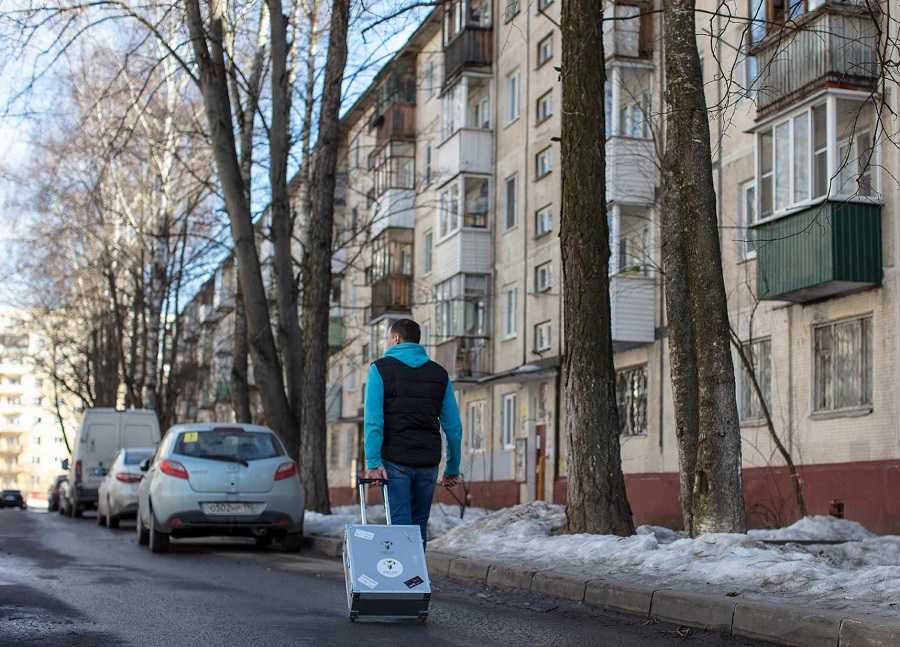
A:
(335, 333)
(830, 249)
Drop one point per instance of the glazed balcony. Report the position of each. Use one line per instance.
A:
(391, 295)
(632, 300)
(628, 31)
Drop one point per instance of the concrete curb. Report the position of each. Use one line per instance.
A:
(781, 624)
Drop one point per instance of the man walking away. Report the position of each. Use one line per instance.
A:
(408, 399)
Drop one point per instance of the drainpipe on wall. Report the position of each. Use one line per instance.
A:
(661, 292)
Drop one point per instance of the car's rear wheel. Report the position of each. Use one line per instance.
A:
(159, 541)
(112, 521)
(101, 519)
(292, 543)
(263, 541)
(143, 537)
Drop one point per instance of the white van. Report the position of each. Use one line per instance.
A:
(103, 432)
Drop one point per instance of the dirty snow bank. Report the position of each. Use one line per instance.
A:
(860, 573)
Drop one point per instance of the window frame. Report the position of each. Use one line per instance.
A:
(548, 337)
(475, 409)
(867, 369)
(510, 313)
(542, 117)
(544, 153)
(508, 413)
(544, 269)
(513, 96)
(428, 251)
(538, 232)
(514, 211)
(747, 245)
(624, 423)
(541, 60)
(745, 407)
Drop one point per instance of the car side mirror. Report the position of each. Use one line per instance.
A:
(65, 463)
(145, 465)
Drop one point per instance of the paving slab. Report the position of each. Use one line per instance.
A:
(869, 632)
(786, 625)
(703, 610)
(510, 578)
(469, 569)
(619, 596)
(568, 587)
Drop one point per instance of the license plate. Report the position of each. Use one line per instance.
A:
(233, 508)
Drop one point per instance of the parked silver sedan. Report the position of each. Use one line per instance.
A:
(213, 479)
(117, 494)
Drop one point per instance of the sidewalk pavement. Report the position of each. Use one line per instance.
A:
(782, 624)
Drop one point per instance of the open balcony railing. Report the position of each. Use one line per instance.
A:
(835, 45)
(474, 47)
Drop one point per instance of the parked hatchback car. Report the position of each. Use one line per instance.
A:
(12, 499)
(215, 479)
(117, 494)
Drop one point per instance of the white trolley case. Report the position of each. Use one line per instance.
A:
(384, 568)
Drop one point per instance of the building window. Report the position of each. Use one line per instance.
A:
(426, 333)
(512, 97)
(511, 10)
(545, 50)
(508, 421)
(631, 398)
(793, 165)
(543, 221)
(428, 256)
(543, 277)
(510, 312)
(759, 352)
(633, 116)
(542, 339)
(431, 77)
(543, 4)
(461, 306)
(475, 426)
(747, 213)
(543, 162)
(334, 449)
(475, 205)
(449, 210)
(843, 365)
(351, 375)
(545, 106)
(356, 154)
(428, 156)
(511, 206)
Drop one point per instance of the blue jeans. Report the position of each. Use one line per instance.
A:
(410, 490)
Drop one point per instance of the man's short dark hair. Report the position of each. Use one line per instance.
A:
(408, 330)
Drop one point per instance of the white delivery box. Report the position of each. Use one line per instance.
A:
(385, 568)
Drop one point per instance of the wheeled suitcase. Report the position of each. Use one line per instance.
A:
(384, 568)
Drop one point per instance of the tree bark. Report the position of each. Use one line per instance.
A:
(317, 265)
(597, 501)
(208, 49)
(240, 390)
(702, 369)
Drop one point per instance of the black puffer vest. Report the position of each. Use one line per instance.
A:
(413, 398)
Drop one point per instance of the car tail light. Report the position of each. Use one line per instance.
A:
(175, 522)
(78, 471)
(285, 471)
(128, 478)
(173, 468)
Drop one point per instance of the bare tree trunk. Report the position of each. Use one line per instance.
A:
(317, 266)
(240, 388)
(282, 225)
(214, 87)
(710, 451)
(596, 501)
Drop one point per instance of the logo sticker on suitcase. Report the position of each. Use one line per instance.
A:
(390, 567)
(413, 582)
(367, 581)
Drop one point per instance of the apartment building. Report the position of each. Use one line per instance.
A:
(451, 216)
(31, 443)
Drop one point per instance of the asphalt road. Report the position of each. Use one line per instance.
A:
(71, 582)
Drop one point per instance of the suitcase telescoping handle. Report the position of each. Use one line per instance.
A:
(362, 499)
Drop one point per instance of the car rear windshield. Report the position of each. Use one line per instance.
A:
(135, 458)
(228, 443)
(14, 492)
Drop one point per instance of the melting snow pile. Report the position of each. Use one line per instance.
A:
(865, 570)
(443, 519)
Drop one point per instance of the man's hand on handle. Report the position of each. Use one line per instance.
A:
(378, 474)
(450, 480)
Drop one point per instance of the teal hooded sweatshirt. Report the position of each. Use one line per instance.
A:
(412, 355)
